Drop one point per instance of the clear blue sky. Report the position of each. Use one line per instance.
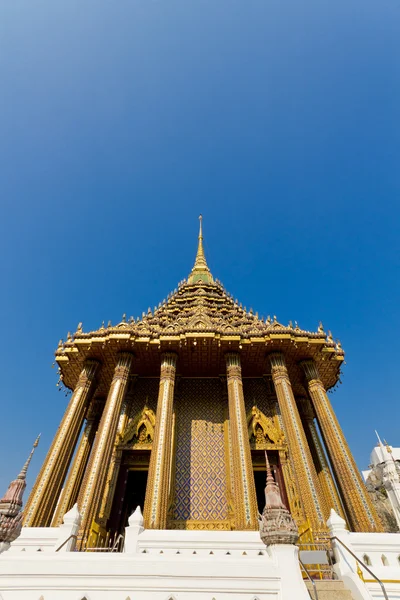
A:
(121, 121)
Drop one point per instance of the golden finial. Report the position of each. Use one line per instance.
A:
(69, 337)
(320, 328)
(79, 328)
(200, 271)
(60, 344)
(330, 337)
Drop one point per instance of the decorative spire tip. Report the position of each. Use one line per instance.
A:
(200, 271)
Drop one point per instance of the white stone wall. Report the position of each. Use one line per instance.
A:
(156, 565)
(381, 550)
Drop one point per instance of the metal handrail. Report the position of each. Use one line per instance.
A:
(67, 540)
(311, 579)
(325, 546)
(120, 537)
(364, 565)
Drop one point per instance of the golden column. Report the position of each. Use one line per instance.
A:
(359, 508)
(69, 494)
(157, 491)
(312, 496)
(113, 471)
(328, 486)
(94, 481)
(245, 500)
(46, 491)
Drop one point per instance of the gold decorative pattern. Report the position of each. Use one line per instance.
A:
(43, 499)
(144, 391)
(201, 525)
(332, 499)
(113, 469)
(94, 482)
(140, 431)
(262, 430)
(304, 467)
(157, 492)
(246, 510)
(71, 487)
(359, 508)
(200, 472)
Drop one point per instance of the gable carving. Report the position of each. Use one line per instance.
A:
(262, 429)
(140, 431)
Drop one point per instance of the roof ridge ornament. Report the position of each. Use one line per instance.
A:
(200, 271)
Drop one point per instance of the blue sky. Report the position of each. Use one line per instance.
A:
(121, 121)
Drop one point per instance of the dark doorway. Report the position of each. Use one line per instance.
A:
(259, 480)
(129, 493)
(135, 492)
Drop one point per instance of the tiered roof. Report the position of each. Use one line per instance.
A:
(200, 312)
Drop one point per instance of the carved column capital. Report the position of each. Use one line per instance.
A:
(168, 365)
(233, 366)
(278, 365)
(310, 370)
(123, 365)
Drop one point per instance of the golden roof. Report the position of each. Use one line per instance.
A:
(201, 321)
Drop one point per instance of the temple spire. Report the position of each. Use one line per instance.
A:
(24, 469)
(11, 504)
(200, 271)
(276, 523)
(273, 497)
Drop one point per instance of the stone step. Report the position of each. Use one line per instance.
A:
(329, 590)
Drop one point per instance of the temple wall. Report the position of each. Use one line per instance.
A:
(200, 476)
(144, 392)
(256, 394)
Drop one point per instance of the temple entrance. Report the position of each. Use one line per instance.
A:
(130, 490)
(260, 475)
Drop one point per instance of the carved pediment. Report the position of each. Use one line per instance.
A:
(140, 431)
(262, 429)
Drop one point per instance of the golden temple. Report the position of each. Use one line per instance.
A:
(173, 412)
